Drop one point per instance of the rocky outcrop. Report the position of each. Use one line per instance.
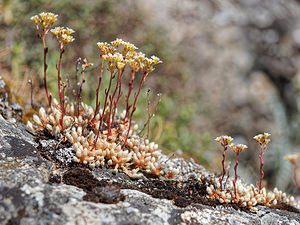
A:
(38, 187)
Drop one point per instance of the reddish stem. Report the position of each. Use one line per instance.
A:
(61, 94)
(223, 165)
(129, 93)
(45, 70)
(134, 107)
(79, 93)
(111, 98)
(295, 178)
(98, 88)
(263, 146)
(118, 97)
(235, 172)
(104, 107)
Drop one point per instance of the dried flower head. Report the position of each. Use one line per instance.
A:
(86, 65)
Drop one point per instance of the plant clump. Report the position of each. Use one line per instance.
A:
(99, 136)
(243, 195)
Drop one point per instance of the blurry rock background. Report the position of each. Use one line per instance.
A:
(230, 67)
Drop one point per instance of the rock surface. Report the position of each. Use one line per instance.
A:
(35, 190)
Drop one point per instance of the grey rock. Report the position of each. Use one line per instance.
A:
(28, 197)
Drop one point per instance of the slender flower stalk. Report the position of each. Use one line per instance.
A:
(79, 92)
(45, 70)
(224, 141)
(113, 103)
(98, 88)
(293, 159)
(119, 95)
(84, 66)
(59, 84)
(237, 149)
(263, 140)
(136, 95)
(63, 36)
(45, 20)
(107, 90)
(104, 50)
(130, 84)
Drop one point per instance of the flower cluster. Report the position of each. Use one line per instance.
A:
(238, 148)
(119, 53)
(63, 35)
(45, 19)
(224, 140)
(262, 138)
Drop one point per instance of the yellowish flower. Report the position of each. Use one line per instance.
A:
(67, 38)
(69, 31)
(118, 57)
(238, 148)
(63, 34)
(120, 65)
(103, 47)
(292, 157)
(46, 19)
(116, 43)
(156, 60)
(35, 19)
(262, 138)
(224, 140)
(129, 47)
(134, 65)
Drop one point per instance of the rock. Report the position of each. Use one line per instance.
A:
(37, 190)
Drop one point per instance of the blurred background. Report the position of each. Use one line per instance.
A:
(230, 68)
